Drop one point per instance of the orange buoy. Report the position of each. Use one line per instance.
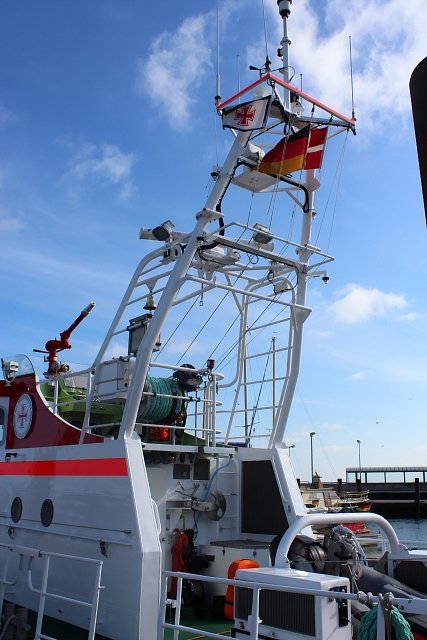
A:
(244, 563)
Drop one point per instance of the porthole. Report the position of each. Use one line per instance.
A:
(46, 513)
(16, 509)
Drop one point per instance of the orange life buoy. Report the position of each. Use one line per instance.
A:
(244, 563)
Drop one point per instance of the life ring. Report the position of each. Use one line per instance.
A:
(244, 563)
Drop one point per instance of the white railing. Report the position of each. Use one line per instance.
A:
(404, 605)
(28, 554)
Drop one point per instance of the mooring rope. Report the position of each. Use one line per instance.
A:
(368, 625)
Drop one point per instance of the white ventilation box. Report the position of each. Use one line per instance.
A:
(287, 616)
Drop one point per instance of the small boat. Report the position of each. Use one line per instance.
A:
(132, 486)
(327, 499)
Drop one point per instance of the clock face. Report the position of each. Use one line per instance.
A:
(23, 416)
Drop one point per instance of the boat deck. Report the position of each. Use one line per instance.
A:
(202, 621)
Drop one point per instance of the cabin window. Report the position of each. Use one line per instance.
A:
(46, 513)
(16, 509)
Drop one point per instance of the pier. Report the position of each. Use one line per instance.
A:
(395, 492)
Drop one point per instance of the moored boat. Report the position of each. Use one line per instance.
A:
(133, 485)
(327, 499)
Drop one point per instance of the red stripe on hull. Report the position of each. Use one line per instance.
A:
(90, 467)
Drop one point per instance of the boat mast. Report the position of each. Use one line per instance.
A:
(298, 316)
(285, 10)
(195, 240)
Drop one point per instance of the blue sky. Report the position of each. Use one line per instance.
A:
(107, 125)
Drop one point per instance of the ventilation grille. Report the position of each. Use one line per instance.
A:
(411, 573)
(289, 611)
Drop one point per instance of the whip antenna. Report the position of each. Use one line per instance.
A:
(265, 31)
(218, 79)
(351, 81)
(238, 75)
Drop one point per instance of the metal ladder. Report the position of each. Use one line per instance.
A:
(26, 558)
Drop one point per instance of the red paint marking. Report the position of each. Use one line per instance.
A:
(270, 77)
(260, 80)
(90, 467)
(244, 116)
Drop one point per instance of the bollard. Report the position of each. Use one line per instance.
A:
(417, 504)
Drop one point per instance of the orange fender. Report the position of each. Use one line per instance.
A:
(244, 563)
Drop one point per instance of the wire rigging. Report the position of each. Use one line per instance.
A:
(213, 312)
(339, 170)
(255, 408)
(337, 182)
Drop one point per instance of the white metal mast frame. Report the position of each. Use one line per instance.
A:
(208, 214)
(297, 316)
(194, 241)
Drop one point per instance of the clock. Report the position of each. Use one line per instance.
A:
(23, 416)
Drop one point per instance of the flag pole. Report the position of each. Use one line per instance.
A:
(277, 437)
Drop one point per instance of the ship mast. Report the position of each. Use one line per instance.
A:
(298, 317)
(285, 10)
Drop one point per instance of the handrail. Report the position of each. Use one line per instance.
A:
(30, 554)
(328, 519)
(404, 605)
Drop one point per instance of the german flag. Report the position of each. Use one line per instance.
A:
(288, 155)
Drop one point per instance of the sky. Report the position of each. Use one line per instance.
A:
(107, 124)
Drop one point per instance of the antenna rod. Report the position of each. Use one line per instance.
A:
(238, 75)
(285, 10)
(351, 80)
(218, 79)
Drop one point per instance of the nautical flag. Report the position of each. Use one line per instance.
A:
(288, 155)
(316, 147)
(247, 116)
(302, 150)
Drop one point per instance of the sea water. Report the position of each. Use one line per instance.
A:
(410, 531)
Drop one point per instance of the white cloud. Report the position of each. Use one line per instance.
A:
(360, 375)
(116, 350)
(388, 41)
(9, 223)
(105, 163)
(176, 66)
(358, 304)
(408, 317)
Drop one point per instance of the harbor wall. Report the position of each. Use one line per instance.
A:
(391, 499)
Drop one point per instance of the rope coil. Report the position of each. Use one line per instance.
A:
(368, 625)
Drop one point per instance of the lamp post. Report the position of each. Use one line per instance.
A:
(359, 442)
(312, 433)
(289, 447)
